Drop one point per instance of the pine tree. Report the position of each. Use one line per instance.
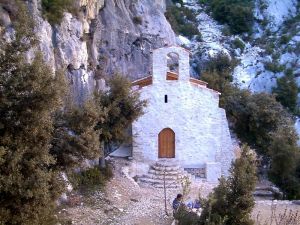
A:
(287, 91)
(75, 137)
(232, 200)
(122, 106)
(284, 157)
(29, 94)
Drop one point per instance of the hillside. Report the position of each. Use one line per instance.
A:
(213, 112)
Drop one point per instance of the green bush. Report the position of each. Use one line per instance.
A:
(287, 91)
(232, 201)
(182, 20)
(218, 72)
(284, 155)
(91, 179)
(285, 39)
(53, 10)
(258, 119)
(186, 217)
(274, 67)
(238, 14)
(30, 93)
(138, 20)
(237, 43)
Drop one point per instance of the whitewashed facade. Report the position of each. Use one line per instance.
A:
(190, 110)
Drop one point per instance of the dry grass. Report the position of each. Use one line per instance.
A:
(276, 214)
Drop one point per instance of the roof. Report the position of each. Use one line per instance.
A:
(146, 81)
(177, 46)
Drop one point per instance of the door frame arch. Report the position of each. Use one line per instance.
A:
(166, 143)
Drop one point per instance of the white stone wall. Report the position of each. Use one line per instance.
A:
(192, 112)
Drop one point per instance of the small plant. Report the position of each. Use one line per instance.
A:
(91, 179)
(288, 217)
(199, 38)
(274, 67)
(285, 39)
(237, 43)
(238, 15)
(138, 20)
(53, 10)
(185, 185)
(182, 20)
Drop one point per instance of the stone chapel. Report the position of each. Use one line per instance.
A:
(182, 122)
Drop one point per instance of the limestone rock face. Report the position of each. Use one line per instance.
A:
(125, 34)
(103, 38)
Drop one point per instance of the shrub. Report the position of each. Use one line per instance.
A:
(29, 93)
(238, 14)
(122, 108)
(218, 72)
(138, 20)
(232, 201)
(237, 43)
(91, 179)
(284, 155)
(257, 119)
(287, 91)
(182, 20)
(274, 67)
(53, 10)
(285, 39)
(75, 138)
(186, 217)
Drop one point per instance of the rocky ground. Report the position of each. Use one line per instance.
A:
(124, 202)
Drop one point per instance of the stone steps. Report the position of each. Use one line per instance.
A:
(155, 181)
(161, 170)
(157, 172)
(162, 177)
(165, 168)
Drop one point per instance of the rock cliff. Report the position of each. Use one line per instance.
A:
(103, 38)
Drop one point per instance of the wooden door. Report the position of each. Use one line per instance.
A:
(166, 143)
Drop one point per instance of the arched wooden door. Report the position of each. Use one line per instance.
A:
(166, 143)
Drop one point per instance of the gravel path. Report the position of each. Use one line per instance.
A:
(124, 202)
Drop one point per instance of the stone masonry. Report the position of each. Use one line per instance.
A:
(202, 138)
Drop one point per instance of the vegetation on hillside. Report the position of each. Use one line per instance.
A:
(232, 200)
(122, 107)
(42, 134)
(262, 122)
(29, 94)
(183, 20)
(53, 10)
(75, 137)
(287, 91)
(238, 14)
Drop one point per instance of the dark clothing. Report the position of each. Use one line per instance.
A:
(176, 204)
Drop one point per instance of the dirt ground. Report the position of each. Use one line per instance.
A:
(124, 202)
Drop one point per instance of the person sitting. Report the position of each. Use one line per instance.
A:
(177, 202)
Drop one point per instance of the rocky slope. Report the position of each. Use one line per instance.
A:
(109, 36)
(105, 37)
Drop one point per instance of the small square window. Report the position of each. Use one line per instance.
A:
(166, 98)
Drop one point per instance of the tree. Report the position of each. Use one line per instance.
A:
(53, 10)
(122, 106)
(238, 14)
(232, 200)
(287, 91)
(262, 122)
(75, 137)
(29, 94)
(218, 72)
(284, 157)
(255, 117)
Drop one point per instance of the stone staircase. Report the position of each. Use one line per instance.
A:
(164, 170)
